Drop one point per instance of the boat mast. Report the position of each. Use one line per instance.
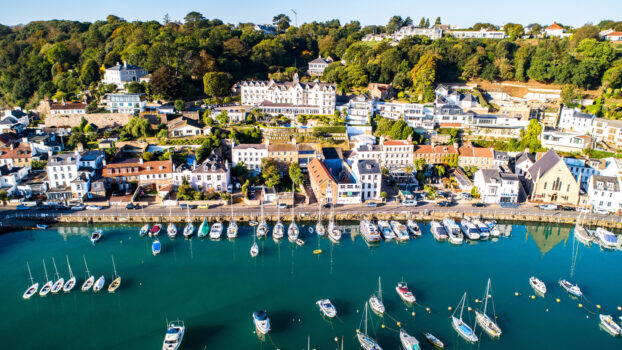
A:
(379, 290)
(262, 217)
(88, 273)
(45, 271)
(462, 301)
(486, 296)
(32, 281)
(365, 318)
(55, 269)
(69, 266)
(113, 266)
(293, 204)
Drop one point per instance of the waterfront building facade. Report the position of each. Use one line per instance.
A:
(250, 155)
(604, 193)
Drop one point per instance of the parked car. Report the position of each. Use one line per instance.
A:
(183, 206)
(601, 211)
(466, 195)
(22, 207)
(478, 205)
(583, 210)
(78, 207)
(568, 208)
(282, 206)
(131, 206)
(326, 206)
(443, 204)
(93, 207)
(371, 204)
(548, 206)
(203, 206)
(409, 203)
(230, 188)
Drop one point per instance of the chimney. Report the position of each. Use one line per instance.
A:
(267, 142)
(124, 64)
(140, 160)
(104, 162)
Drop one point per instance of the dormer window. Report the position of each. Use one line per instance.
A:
(599, 185)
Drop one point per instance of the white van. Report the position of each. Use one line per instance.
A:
(409, 202)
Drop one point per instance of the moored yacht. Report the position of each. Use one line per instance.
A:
(375, 301)
(405, 293)
(171, 230)
(232, 230)
(489, 324)
(60, 282)
(34, 287)
(537, 285)
(278, 231)
(144, 230)
(463, 329)
(71, 282)
(386, 230)
(438, 231)
(155, 230)
(216, 231)
(174, 335)
(494, 229)
(413, 228)
(453, 231)
(369, 231)
(606, 239)
(96, 236)
(156, 247)
(434, 341)
(99, 284)
(188, 230)
(334, 233)
(401, 231)
(408, 341)
(469, 229)
(572, 289)
(90, 279)
(367, 342)
(610, 325)
(262, 322)
(293, 232)
(327, 308)
(203, 229)
(484, 230)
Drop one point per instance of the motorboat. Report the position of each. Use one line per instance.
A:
(405, 293)
(156, 247)
(369, 231)
(34, 287)
(60, 282)
(71, 282)
(116, 279)
(144, 230)
(188, 230)
(413, 228)
(171, 230)
(327, 308)
(493, 228)
(408, 341)
(174, 335)
(367, 342)
(278, 231)
(216, 231)
(401, 231)
(385, 229)
(463, 329)
(375, 301)
(320, 229)
(203, 229)
(155, 230)
(438, 231)
(434, 341)
(99, 284)
(606, 239)
(610, 325)
(583, 235)
(489, 324)
(96, 236)
(537, 285)
(262, 322)
(292, 232)
(90, 279)
(42, 226)
(572, 289)
(484, 230)
(334, 233)
(454, 235)
(232, 230)
(469, 229)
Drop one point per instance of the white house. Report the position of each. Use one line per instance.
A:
(250, 155)
(123, 74)
(289, 98)
(62, 168)
(184, 127)
(613, 167)
(406, 31)
(70, 174)
(67, 108)
(565, 141)
(613, 36)
(125, 103)
(573, 120)
(555, 30)
(496, 186)
(317, 66)
(368, 174)
(608, 131)
(524, 161)
(604, 193)
(209, 175)
(358, 110)
(397, 153)
(477, 34)
(368, 152)
(10, 178)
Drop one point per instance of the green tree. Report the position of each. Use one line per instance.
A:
(440, 170)
(223, 118)
(437, 21)
(568, 94)
(164, 83)
(295, 174)
(216, 84)
(179, 105)
(281, 22)
(138, 127)
(270, 172)
(89, 73)
(531, 138)
(420, 164)
(423, 76)
(245, 188)
(475, 192)
(38, 164)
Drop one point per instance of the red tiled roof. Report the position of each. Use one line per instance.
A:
(554, 26)
(478, 152)
(17, 152)
(614, 34)
(441, 149)
(396, 143)
(136, 168)
(68, 106)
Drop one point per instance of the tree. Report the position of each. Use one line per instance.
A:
(440, 170)
(395, 23)
(38, 164)
(400, 130)
(475, 192)
(162, 134)
(179, 105)
(423, 76)
(437, 21)
(164, 83)
(472, 68)
(568, 94)
(420, 164)
(223, 118)
(281, 22)
(383, 195)
(138, 127)
(431, 191)
(270, 172)
(531, 138)
(89, 129)
(89, 73)
(216, 84)
(245, 188)
(240, 172)
(295, 174)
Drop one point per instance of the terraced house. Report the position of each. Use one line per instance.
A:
(439, 154)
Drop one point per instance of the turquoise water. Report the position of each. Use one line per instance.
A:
(215, 286)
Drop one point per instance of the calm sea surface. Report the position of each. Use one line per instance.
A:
(215, 287)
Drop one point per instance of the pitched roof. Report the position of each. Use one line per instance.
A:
(17, 152)
(606, 181)
(441, 149)
(614, 34)
(67, 106)
(478, 152)
(319, 60)
(259, 146)
(544, 164)
(554, 26)
(134, 167)
(397, 143)
(282, 147)
(368, 166)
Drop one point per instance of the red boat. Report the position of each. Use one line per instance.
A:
(405, 293)
(155, 230)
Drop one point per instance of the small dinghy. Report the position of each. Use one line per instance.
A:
(156, 247)
(327, 308)
(262, 322)
(300, 242)
(144, 230)
(99, 284)
(42, 226)
(408, 341)
(610, 325)
(572, 289)
(404, 293)
(96, 236)
(434, 341)
(537, 285)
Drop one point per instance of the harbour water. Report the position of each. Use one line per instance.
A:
(215, 286)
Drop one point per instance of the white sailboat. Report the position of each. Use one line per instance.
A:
(292, 230)
(189, 229)
(319, 227)
(71, 282)
(232, 229)
(116, 279)
(171, 229)
(99, 284)
(460, 326)
(262, 228)
(34, 287)
(90, 279)
(254, 247)
(486, 322)
(60, 282)
(367, 342)
(279, 229)
(334, 232)
(48, 284)
(375, 301)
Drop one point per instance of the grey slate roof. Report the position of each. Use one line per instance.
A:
(63, 159)
(605, 180)
(367, 167)
(121, 67)
(319, 60)
(544, 164)
(524, 157)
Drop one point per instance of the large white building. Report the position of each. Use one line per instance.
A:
(369, 176)
(317, 66)
(397, 153)
(125, 103)
(496, 186)
(250, 155)
(406, 31)
(565, 141)
(604, 193)
(477, 34)
(209, 175)
(123, 74)
(289, 98)
(70, 174)
(573, 120)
